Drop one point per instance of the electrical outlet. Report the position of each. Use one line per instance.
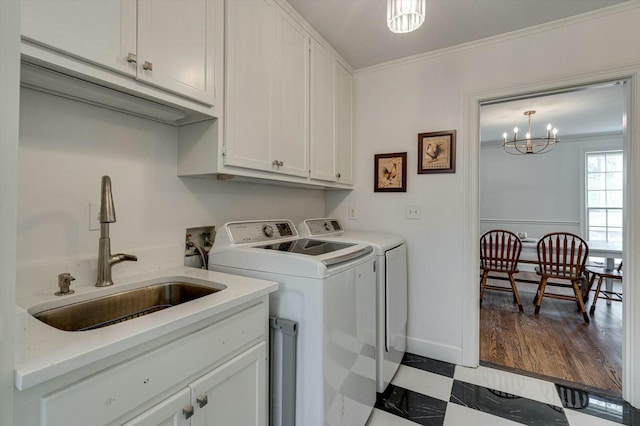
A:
(412, 211)
(353, 213)
(94, 216)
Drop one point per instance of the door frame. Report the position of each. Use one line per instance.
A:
(631, 240)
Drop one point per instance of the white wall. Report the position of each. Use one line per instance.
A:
(395, 102)
(9, 100)
(65, 148)
(537, 193)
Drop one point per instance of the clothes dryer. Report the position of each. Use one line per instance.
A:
(391, 289)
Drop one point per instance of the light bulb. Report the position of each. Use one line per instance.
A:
(528, 135)
(515, 129)
(548, 126)
(504, 135)
(555, 132)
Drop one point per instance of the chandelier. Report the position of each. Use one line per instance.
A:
(529, 145)
(404, 16)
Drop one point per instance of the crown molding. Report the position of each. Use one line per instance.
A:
(500, 38)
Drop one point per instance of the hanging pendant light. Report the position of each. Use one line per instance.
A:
(404, 16)
(528, 144)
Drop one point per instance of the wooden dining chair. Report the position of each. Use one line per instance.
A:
(500, 252)
(603, 273)
(562, 256)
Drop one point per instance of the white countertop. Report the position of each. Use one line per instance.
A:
(50, 353)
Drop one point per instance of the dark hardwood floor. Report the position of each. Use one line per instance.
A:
(556, 344)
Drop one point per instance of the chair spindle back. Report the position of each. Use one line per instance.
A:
(500, 250)
(562, 255)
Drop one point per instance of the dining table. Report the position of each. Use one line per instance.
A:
(609, 250)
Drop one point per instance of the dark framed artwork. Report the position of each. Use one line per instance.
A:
(390, 173)
(437, 152)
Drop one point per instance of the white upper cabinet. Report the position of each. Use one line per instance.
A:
(291, 97)
(101, 32)
(323, 149)
(343, 126)
(249, 83)
(331, 116)
(266, 89)
(175, 45)
(167, 44)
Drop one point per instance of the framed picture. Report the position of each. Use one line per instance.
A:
(390, 173)
(437, 152)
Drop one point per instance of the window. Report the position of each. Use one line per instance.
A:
(604, 195)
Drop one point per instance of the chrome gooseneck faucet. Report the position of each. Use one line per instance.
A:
(107, 215)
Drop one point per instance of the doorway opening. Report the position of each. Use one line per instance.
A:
(577, 187)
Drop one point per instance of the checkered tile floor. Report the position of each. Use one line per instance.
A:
(435, 393)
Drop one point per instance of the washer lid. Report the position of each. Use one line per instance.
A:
(307, 246)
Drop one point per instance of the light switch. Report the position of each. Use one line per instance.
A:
(413, 212)
(353, 212)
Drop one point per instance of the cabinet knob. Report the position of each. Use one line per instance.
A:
(132, 58)
(281, 163)
(202, 400)
(147, 66)
(275, 163)
(338, 175)
(187, 411)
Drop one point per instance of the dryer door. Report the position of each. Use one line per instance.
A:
(396, 299)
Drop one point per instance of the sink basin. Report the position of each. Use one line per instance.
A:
(115, 308)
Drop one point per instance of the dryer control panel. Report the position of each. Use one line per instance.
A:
(258, 231)
(323, 226)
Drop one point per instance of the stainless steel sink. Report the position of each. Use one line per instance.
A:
(115, 308)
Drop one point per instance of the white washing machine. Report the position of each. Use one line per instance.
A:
(391, 289)
(328, 288)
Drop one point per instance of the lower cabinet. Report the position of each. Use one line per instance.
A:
(173, 411)
(232, 394)
(209, 373)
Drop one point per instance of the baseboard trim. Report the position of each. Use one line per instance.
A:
(434, 350)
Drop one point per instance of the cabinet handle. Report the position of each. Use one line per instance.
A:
(202, 400)
(132, 58)
(338, 175)
(147, 66)
(187, 411)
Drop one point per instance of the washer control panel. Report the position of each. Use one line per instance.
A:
(323, 226)
(258, 231)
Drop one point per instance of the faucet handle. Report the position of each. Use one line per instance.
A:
(64, 282)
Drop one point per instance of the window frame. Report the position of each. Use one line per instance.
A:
(585, 192)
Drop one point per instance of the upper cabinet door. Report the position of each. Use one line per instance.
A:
(175, 46)
(291, 97)
(343, 117)
(102, 32)
(322, 114)
(249, 84)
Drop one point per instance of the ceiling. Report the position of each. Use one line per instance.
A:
(357, 29)
(593, 109)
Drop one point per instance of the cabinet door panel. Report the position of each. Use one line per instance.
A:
(176, 38)
(167, 413)
(291, 97)
(236, 391)
(322, 114)
(249, 83)
(343, 117)
(101, 32)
